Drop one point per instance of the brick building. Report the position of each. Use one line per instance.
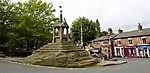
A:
(131, 40)
(127, 43)
(106, 42)
(135, 37)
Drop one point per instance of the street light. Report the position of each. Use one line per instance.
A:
(81, 37)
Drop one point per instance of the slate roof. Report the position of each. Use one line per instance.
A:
(133, 33)
(107, 37)
(129, 34)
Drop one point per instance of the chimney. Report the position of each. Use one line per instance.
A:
(110, 31)
(139, 27)
(120, 31)
(61, 18)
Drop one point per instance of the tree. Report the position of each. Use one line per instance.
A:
(103, 33)
(89, 31)
(5, 21)
(32, 23)
(98, 29)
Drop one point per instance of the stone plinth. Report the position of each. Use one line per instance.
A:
(61, 55)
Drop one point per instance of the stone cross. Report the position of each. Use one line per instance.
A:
(61, 26)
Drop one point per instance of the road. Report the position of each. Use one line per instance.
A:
(134, 66)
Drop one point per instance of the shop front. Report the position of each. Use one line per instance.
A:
(119, 51)
(130, 51)
(143, 51)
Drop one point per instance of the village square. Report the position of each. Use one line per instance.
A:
(34, 40)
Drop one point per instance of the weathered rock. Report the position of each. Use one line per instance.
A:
(61, 56)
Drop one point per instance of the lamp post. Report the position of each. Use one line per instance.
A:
(81, 37)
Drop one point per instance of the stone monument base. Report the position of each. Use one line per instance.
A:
(61, 55)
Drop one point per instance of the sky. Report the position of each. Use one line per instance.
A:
(115, 14)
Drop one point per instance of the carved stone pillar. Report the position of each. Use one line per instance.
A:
(58, 31)
(60, 34)
(67, 34)
(62, 30)
(53, 35)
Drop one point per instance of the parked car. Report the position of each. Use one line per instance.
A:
(95, 51)
(22, 51)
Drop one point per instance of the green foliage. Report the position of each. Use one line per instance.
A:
(89, 31)
(103, 33)
(98, 29)
(26, 23)
(5, 11)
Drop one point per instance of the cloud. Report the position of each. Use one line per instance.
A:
(124, 14)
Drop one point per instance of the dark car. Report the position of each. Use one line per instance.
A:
(22, 51)
(96, 51)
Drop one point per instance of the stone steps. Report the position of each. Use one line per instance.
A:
(59, 49)
(61, 55)
(83, 64)
(55, 45)
(82, 58)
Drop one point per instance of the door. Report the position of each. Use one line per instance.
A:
(118, 51)
(132, 52)
(126, 52)
(145, 53)
(122, 52)
(149, 52)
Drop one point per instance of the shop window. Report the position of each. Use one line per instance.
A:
(118, 51)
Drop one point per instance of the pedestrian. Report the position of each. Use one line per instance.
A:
(105, 54)
(108, 54)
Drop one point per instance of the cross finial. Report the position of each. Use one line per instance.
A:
(61, 18)
(60, 8)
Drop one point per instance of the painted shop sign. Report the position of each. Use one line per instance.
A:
(143, 47)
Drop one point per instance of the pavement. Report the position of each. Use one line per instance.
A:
(110, 63)
(11, 58)
(134, 65)
(101, 64)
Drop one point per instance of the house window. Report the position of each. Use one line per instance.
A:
(130, 40)
(143, 40)
(119, 42)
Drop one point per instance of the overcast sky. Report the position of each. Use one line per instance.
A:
(115, 14)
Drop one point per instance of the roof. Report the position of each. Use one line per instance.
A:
(61, 24)
(108, 37)
(133, 33)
